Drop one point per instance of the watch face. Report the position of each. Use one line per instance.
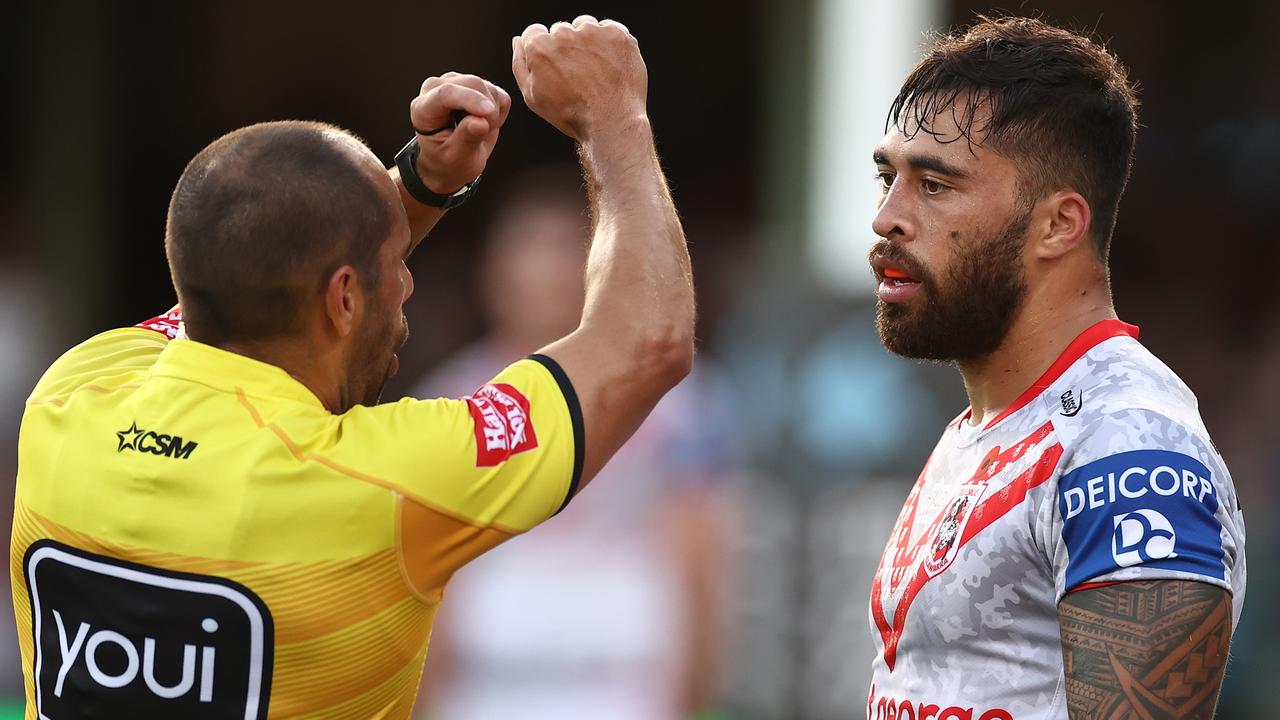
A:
(462, 194)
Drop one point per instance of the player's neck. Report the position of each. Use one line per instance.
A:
(1039, 335)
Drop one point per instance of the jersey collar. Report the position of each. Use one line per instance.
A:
(219, 369)
(1093, 336)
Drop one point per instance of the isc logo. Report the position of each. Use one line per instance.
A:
(114, 639)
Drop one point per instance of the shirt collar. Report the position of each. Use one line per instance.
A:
(1092, 336)
(223, 370)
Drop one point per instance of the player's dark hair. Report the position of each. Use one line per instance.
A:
(260, 220)
(1057, 104)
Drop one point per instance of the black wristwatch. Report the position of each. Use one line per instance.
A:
(407, 161)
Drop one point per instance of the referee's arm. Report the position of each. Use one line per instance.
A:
(451, 154)
(635, 341)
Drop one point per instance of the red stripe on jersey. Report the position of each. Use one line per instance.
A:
(986, 513)
(903, 556)
(1084, 342)
(1012, 495)
(1093, 586)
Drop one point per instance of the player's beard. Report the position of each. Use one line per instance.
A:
(965, 315)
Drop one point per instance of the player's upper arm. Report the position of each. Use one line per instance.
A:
(1148, 553)
(1145, 497)
(1145, 649)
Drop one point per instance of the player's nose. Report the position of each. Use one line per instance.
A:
(893, 218)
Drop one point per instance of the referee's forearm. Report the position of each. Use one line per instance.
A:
(421, 217)
(639, 280)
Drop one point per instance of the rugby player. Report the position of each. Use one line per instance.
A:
(1073, 547)
(223, 521)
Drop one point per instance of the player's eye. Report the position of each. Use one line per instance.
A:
(932, 187)
(885, 178)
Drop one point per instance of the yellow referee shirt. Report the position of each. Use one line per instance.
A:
(196, 536)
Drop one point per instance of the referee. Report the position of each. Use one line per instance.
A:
(216, 517)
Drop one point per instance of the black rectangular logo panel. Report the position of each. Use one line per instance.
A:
(116, 639)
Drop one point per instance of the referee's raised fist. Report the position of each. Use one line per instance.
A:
(583, 77)
(457, 117)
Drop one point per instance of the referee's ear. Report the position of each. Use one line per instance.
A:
(340, 300)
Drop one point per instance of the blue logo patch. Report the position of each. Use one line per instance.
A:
(1153, 508)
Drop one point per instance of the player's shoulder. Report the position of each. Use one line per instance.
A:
(1121, 408)
(109, 358)
(1141, 491)
(1119, 393)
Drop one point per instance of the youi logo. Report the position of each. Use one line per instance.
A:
(1150, 508)
(117, 639)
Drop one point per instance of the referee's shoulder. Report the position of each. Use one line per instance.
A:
(109, 359)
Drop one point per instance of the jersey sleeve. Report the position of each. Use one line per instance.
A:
(1145, 497)
(474, 471)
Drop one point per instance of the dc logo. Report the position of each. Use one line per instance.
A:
(1142, 536)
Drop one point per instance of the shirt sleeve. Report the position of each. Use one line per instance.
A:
(509, 454)
(475, 471)
(1145, 497)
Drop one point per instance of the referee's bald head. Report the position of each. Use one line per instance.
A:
(260, 219)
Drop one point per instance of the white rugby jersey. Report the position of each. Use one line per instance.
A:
(1101, 471)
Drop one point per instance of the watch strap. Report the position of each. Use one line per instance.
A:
(407, 162)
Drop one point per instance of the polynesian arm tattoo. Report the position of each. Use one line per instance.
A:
(1153, 650)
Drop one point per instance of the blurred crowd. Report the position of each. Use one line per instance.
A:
(613, 608)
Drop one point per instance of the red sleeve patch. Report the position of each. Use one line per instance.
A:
(502, 423)
(168, 324)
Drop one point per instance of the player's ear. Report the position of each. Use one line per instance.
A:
(340, 299)
(1063, 224)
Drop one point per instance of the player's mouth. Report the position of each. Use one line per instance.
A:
(895, 284)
